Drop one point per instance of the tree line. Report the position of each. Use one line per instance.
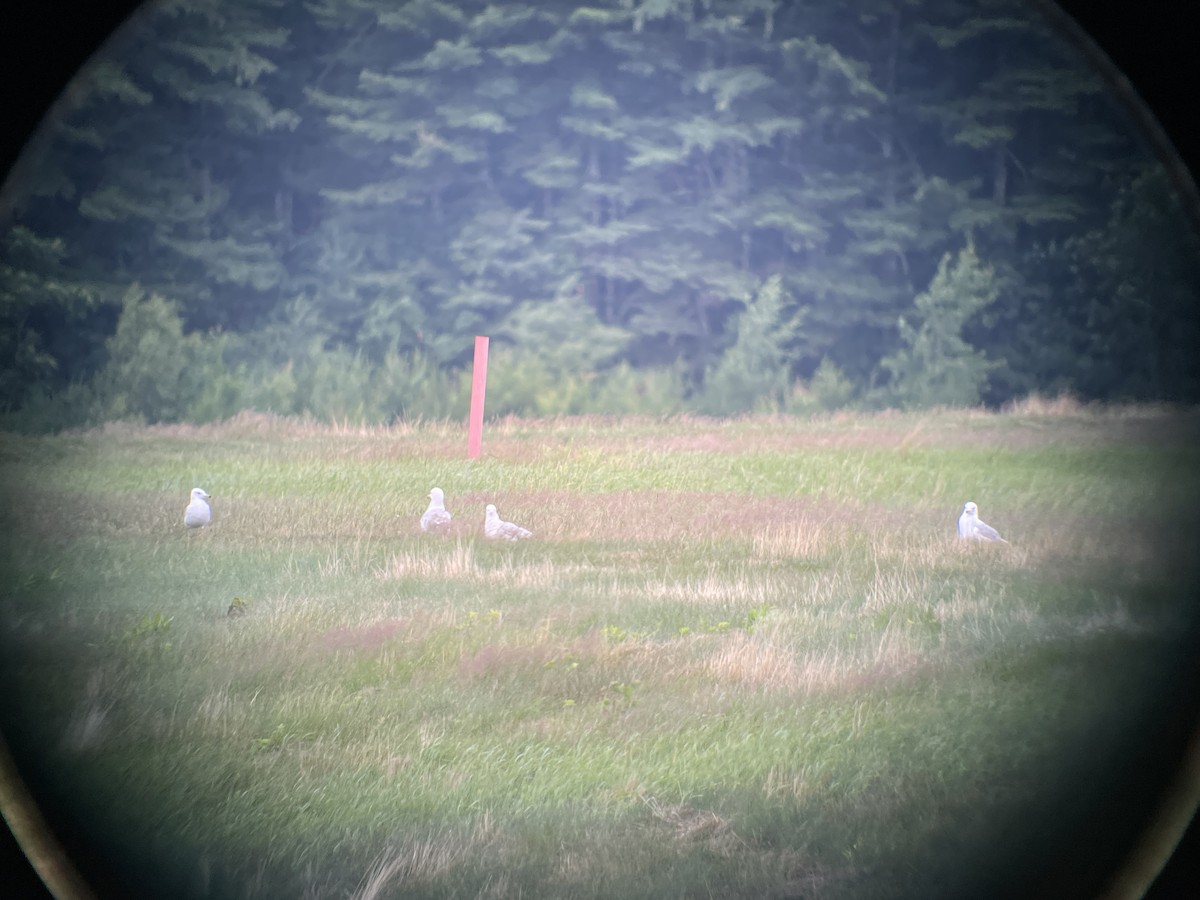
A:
(650, 205)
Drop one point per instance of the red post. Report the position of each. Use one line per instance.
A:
(478, 389)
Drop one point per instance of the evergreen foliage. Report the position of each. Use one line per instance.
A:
(753, 373)
(154, 372)
(935, 365)
(1132, 289)
(39, 300)
(347, 191)
(830, 387)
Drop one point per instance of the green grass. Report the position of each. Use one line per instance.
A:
(740, 658)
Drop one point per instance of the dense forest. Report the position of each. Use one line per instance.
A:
(649, 205)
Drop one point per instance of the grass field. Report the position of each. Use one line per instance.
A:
(738, 659)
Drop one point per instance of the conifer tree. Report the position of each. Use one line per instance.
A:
(174, 195)
(367, 180)
(1128, 300)
(42, 303)
(753, 374)
(936, 366)
(51, 321)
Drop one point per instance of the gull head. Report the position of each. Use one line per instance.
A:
(437, 497)
(201, 494)
(970, 509)
(490, 510)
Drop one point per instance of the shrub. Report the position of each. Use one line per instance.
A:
(526, 384)
(154, 372)
(830, 387)
(46, 411)
(412, 386)
(623, 389)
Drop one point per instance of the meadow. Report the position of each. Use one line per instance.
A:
(743, 658)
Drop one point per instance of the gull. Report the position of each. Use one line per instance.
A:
(495, 528)
(971, 526)
(198, 512)
(437, 517)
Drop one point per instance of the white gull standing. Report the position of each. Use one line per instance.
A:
(972, 527)
(198, 512)
(437, 517)
(497, 529)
